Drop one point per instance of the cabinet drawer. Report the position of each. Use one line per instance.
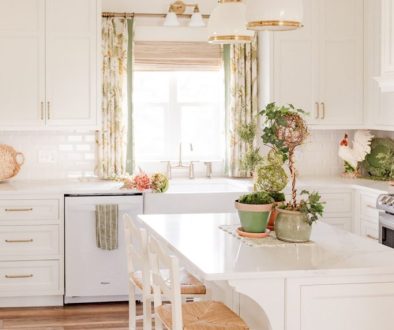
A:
(370, 230)
(345, 223)
(19, 241)
(29, 209)
(368, 208)
(28, 278)
(337, 203)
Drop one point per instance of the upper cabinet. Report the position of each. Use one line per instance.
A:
(49, 66)
(22, 63)
(320, 67)
(379, 64)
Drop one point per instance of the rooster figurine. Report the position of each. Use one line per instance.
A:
(353, 156)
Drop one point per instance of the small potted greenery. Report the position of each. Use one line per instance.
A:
(284, 130)
(254, 211)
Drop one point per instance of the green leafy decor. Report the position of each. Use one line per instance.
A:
(379, 164)
(257, 198)
(247, 134)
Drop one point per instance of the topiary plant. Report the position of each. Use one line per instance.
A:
(257, 198)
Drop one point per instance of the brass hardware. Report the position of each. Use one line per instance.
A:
(230, 38)
(317, 110)
(289, 25)
(371, 207)
(42, 111)
(371, 237)
(152, 15)
(19, 241)
(19, 210)
(49, 110)
(19, 276)
(323, 106)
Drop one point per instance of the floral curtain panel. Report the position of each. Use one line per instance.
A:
(242, 101)
(112, 139)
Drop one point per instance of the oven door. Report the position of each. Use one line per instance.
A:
(386, 229)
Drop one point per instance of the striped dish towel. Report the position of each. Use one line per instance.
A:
(107, 226)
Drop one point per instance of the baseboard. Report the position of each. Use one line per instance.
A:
(37, 301)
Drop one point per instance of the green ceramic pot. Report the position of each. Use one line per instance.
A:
(254, 218)
(292, 226)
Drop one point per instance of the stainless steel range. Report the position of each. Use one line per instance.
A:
(386, 219)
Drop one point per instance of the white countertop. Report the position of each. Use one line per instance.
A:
(217, 255)
(179, 186)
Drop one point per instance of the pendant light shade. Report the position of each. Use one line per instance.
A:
(274, 15)
(227, 24)
(196, 19)
(171, 19)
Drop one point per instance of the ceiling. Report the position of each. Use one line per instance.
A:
(152, 6)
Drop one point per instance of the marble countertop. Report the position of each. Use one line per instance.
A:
(216, 255)
(200, 185)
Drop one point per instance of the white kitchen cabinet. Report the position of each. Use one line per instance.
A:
(320, 67)
(49, 64)
(22, 63)
(367, 215)
(71, 72)
(379, 64)
(31, 251)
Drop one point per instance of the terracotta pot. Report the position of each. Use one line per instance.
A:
(274, 215)
(292, 226)
(254, 218)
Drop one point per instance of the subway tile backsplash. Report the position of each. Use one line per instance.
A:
(62, 155)
(54, 155)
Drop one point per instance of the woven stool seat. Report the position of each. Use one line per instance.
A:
(203, 315)
(189, 284)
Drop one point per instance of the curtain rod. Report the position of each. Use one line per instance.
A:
(132, 15)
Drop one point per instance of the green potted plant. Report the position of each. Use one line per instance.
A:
(284, 130)
(254, 210)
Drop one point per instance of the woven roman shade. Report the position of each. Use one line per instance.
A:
(176, 56)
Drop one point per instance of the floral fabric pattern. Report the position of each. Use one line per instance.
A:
(112, 138)
(243, 103)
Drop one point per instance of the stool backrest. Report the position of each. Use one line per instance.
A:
(166, 283)
(137, 250)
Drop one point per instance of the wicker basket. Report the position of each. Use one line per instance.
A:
(10, 162)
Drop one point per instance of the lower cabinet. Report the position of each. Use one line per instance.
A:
(361, 303)
(367, 215)
(31, 251)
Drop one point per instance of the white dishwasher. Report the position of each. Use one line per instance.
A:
(93, 274)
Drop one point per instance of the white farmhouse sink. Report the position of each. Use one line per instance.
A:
(197, 196)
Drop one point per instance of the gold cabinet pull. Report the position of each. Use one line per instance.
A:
(19, 276)
(49, 110)
(19, 240)
(317, 110)
(19, 210)
(371, 207)
(374, 238)
(323, 107)
(42, 111)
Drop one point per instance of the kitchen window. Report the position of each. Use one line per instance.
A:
(178, 105)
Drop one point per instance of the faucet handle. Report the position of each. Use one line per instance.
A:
(208, 169)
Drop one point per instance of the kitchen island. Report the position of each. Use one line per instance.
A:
(338, 281)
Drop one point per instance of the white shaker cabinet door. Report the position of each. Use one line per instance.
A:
(341, 62)
(22, 63)
(295, 64)
(72, 64)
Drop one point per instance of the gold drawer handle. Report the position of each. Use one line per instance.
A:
(19, 210)
(374, 238)
(372, 207)
(19, 276)
(19, 241)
